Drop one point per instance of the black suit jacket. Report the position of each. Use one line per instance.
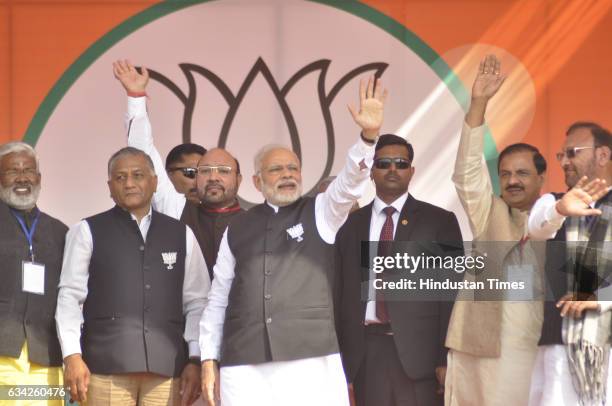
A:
(419, 327)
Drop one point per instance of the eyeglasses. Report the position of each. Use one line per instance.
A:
(570, 152)
(187, 172)
(15, 173)
(385, 163)
(207, 170)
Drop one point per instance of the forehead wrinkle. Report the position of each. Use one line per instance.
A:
(6, 159)
(117, 169)
(279, 156)
(579, 138)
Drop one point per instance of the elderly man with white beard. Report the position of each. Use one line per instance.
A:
(31, 248)
(269, 322)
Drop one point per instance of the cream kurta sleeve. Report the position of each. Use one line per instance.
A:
(472, 180)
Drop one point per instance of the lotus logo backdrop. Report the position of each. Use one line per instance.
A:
(240, 74)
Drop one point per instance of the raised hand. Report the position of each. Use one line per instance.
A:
(489, 78)
(487, 83)
(135, 83)
(577, 201)
(371, 106)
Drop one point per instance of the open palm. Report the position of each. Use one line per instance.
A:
(577, 201)
(130, 78)
(371, 106)
(488, 80)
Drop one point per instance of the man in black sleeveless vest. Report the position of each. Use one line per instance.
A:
(392, 350)
(270, 319)
(141, 279)
(31, 247)
(217, 180)
(583, 215)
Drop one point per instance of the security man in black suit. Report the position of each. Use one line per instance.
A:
(393, 351)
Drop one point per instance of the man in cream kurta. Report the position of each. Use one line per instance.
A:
(493, 343)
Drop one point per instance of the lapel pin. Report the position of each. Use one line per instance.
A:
(404, 222)
(169, 259)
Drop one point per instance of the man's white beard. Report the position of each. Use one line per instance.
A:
(24, 202)
(278, 198)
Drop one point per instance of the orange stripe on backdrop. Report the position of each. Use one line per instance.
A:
(561, 44)
(38, 42)
(5, 83)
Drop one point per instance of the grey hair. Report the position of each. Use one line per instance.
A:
(263, 151)
(16, 147)
(129, 151)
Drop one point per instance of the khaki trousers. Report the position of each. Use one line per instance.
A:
(139, 389)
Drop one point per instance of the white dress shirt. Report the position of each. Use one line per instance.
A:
(140, 135)
(376, 224)
(544, 219)
(75, 275)
(331, 210)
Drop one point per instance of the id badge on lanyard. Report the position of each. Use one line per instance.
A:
(33, 280)
(33, 273)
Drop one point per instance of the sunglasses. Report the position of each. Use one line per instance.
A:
(187, 172)
(570, 152)
(385, 163)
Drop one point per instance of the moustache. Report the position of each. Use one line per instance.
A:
(569, 167)
(392, 176)
(512, 188)
(289, 182)
(22, 185)
(212, 185)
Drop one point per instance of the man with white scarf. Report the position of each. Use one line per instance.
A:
(572, 366)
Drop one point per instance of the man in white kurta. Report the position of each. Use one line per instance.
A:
(588, 171)
(294, 379)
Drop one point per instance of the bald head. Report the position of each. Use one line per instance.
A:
(218, 178)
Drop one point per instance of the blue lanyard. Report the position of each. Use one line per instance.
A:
(29, 234)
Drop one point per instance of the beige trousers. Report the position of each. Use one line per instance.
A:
(141, 389)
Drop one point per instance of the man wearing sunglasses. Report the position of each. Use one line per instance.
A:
(392, 351)
(181, 166)
(579, 274)
(493, 343)
(216, 175)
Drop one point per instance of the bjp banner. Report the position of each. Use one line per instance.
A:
(243, 73)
